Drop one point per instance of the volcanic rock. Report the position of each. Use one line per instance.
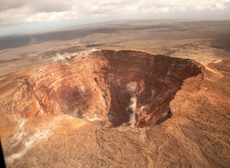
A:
(65, 108)
(107, 87)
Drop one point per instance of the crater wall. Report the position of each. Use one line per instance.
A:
(110, 88)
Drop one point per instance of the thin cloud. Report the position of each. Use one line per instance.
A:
(15, 12)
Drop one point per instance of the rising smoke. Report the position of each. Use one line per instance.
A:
(132, 89)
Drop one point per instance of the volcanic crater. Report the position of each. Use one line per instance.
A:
(106, 87)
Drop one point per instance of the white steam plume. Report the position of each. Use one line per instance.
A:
(132, 118)
(132, 88)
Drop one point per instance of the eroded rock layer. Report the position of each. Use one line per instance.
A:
(107, 87)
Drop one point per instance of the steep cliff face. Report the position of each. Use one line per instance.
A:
(107, 87)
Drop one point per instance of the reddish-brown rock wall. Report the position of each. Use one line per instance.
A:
(107, 87)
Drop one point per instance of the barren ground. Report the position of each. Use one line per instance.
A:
(197, 134)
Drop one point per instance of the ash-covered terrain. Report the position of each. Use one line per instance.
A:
(153, 94)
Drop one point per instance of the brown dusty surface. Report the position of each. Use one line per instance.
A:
(9, 85)
(7, 127)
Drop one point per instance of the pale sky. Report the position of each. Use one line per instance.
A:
(21, 13)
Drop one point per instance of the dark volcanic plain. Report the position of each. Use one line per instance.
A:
(69, 98)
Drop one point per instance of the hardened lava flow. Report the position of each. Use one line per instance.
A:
(107, 87)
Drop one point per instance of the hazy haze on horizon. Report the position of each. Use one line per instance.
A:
(23, 16)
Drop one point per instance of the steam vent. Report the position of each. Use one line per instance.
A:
(109, 88)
